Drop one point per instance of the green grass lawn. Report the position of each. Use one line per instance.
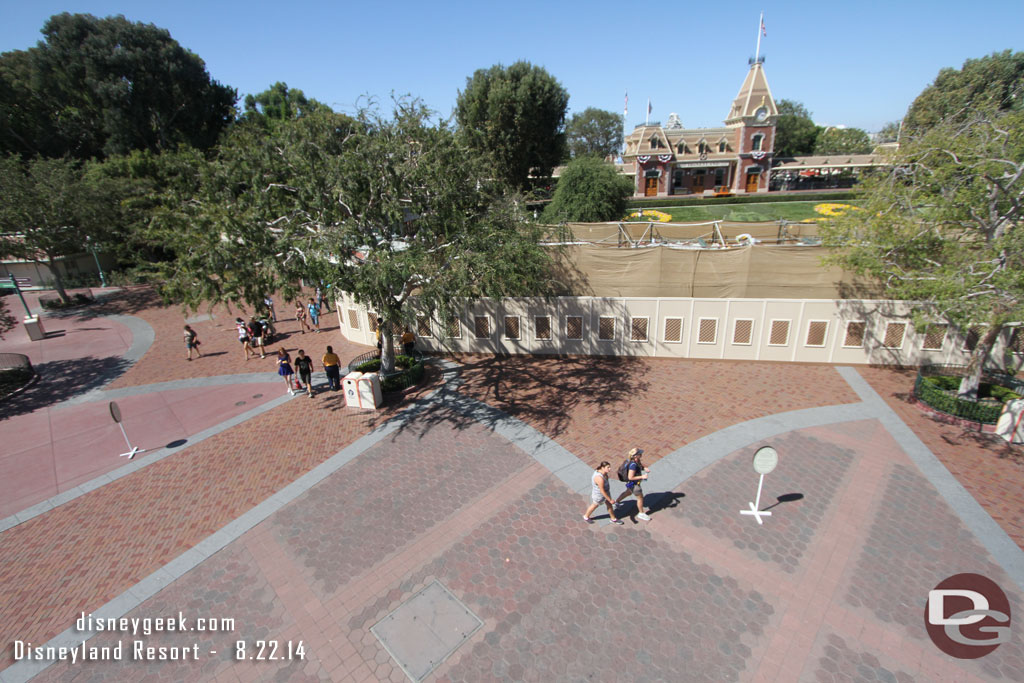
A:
(746, 213)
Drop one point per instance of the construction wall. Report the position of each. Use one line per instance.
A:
(772, 329)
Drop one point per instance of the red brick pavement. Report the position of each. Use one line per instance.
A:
(81, 554)
(990, 469)
(222, 354)
(598, 407)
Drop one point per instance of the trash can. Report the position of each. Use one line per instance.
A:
(370, 395)
(34, 327)
(351, 388)
(1011, 421)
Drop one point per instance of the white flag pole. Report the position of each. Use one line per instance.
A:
(757, 53)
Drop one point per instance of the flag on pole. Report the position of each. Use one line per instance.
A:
(625, 109)
(763, 32)
(649, 109)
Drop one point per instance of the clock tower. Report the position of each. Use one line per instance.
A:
(752, 120)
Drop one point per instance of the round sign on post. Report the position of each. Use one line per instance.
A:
(765, 460)
(115, 412)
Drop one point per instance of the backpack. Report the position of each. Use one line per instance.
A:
(623, 471)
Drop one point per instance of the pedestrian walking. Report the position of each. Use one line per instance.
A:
(314, 315)
(284, 369)
(304, 366)
(332, 368)
(408, 342)
(322, 301)
(599, 493)
(300, 315)
(635, 473)
(243, 337)
(269, 303)
(256, 334)
(192, 342)
(380, 337)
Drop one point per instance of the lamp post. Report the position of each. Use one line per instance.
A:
(103, 280)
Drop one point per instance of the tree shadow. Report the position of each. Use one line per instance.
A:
(61, 380)
(542, 391)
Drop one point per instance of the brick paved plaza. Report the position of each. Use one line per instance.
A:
(302, 520)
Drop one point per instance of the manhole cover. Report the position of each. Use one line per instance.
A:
(257, 395)
(425, 629)
(198, 318)
(239, 403)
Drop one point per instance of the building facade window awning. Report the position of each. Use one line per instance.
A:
(703, 164)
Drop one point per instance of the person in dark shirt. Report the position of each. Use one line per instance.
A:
(304, 366)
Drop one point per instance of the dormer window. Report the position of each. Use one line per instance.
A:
(756, 142)
(702, 147)
(681, 148)
(721, 147)
(655, 142)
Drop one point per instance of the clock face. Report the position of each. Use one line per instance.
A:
(761, 114)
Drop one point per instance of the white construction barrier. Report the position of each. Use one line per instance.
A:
(349, 384)
(1011, 421)
(370, 394)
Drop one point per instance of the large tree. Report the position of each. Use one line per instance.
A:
(843, 141)
(52, 208)
(594, 132)
(383, 208)
(943, 227)
(795, 132)
(992, 82)
(890, 132)
(589, 190)
(516, 115)
(95, 87)
(279, 103)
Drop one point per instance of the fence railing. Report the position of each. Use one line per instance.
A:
(935, 393)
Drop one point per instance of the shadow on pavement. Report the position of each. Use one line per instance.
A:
(661, 500)
(543, 392)
(60, 380)
(785, 498)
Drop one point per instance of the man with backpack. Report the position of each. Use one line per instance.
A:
(632, 471)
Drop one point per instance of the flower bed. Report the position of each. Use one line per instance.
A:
(410, 374)
(936, 387)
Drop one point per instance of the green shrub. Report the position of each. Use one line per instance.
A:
(928, 391)
(944, 382)
(1003, 394)
(412, 372)
(590, 191)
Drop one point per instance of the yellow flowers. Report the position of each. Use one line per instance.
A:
(833, 210)
(659, 216)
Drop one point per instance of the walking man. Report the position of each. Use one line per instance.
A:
(269, 303)
(635, 473)
(332, 368)
(599, 493)
(314, 315)
(304, 366)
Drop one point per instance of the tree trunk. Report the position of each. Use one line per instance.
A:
(58, 279)
(387, 355)
(976, 365)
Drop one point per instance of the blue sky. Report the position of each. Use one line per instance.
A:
(854, 64)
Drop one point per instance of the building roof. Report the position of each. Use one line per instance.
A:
(752, 95)
(832, 161)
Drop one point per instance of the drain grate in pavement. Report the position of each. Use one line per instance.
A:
(425, 629)
(199, 318)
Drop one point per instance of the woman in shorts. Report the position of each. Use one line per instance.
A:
(599, 493)
(192, 342)
(243, 337)
(284, 369)
(300, 315)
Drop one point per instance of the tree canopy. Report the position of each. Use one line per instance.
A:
(890, 132)
(379, 207)
(795, 132)
(943, 227)
(516, 116)
(993, 82)
(594, 132)
(843, 141)
(51, 208)
(95, 87)
(589, 190)
(279, 103)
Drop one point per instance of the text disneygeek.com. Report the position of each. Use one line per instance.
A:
(139, 650)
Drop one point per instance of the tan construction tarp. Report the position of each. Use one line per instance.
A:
(614, 234)
(761, 271)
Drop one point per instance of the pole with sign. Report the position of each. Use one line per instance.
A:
(765, 460)
(115, 412)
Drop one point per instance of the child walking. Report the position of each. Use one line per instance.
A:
(192, 342)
